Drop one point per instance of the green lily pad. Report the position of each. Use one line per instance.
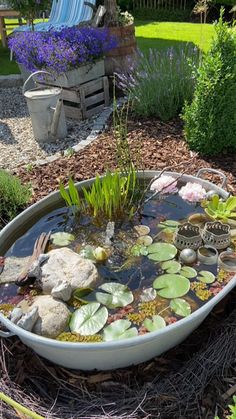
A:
(88, 319)
(79, 293)
(171, 266)
(148, 294)
(180, 307)
(161, 252)
(188, 272)
(168, 226)
(116, 295)
(139, 250)
(206, 277)
(156, 323)
(171, 285)
(145, 240)
(62, 238)
(87, 252)
(119, 329)
(142, 230)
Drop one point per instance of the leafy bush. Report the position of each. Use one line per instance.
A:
(163, 15)
(210, 120)
(160, 82)
(13, 196)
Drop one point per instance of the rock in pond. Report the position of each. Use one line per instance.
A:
(62, 291)
(28, 320)
(12, 268)
(65, 265)
(53, 316)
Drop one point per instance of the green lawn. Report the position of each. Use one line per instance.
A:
(168, 34)
(149, 35)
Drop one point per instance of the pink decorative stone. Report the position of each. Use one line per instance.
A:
(164, 184)
(192, 192)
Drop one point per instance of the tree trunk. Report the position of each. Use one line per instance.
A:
(111, 16)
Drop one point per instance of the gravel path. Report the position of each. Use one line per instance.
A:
(17, 142)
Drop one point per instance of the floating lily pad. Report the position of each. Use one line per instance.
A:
(139, 250)
(168, 226)
(79, 293)
(120, 329)
(116, 295)
(157, 322)
(171, 266)
(62, 238)
(161, 252)
(206, 277)
(148, 294)
(89, 319)
(188, 272)
(180, 307)
(142, 230)
(171, 285)
(87, 253)
(145, 240)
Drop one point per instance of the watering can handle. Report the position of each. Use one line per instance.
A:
(217, 172)
(34, 74)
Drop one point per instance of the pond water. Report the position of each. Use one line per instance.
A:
(129, 262)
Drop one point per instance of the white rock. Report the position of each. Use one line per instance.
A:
(16, 314)
(65, 265)
(53, 316)
(62, 291)
(29, 319)
(12, 269)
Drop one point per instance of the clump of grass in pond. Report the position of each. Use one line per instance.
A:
(113, 196)
(71, 197)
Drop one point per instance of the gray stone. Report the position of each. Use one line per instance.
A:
(29, 319)
(12, 269)
(65, 265)
(62, 291)
(16, 314)
(53, 316)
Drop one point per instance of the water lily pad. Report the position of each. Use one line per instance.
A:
(145, 240)
(188, 272)
(157, 322)
(116, 295)
(79, 293)
(171, 285)
(171, 266)
(206, 277)
(142, 230)
(168, 226)
(62, 238)
(119, 329)
(89, 319)
(180, 307)
(161, 252)
(139, 250)
(87, 253)
(148, 294)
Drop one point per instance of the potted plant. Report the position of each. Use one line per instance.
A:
(73, 56)
(121, 26)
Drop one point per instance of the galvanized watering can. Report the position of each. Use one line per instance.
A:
(46, 111)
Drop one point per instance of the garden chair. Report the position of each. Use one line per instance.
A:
(64, 13)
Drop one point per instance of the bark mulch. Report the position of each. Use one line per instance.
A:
(161, 145)
(193, 380)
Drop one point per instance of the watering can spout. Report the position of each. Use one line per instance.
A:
(56, 117)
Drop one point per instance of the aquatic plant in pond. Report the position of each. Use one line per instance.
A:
(218, 209)
(118, 279)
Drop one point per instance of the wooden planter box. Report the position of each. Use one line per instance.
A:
(79, 75)
(86, 100)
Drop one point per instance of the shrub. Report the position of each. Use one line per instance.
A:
(160, 82)
(13, 196)
(29, 9)
(210, 120)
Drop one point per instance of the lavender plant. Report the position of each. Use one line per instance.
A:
(160, 82)
(59, 52)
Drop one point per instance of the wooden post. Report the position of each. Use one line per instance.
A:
(3, 31)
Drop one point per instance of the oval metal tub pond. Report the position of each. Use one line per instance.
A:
(104, 355)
